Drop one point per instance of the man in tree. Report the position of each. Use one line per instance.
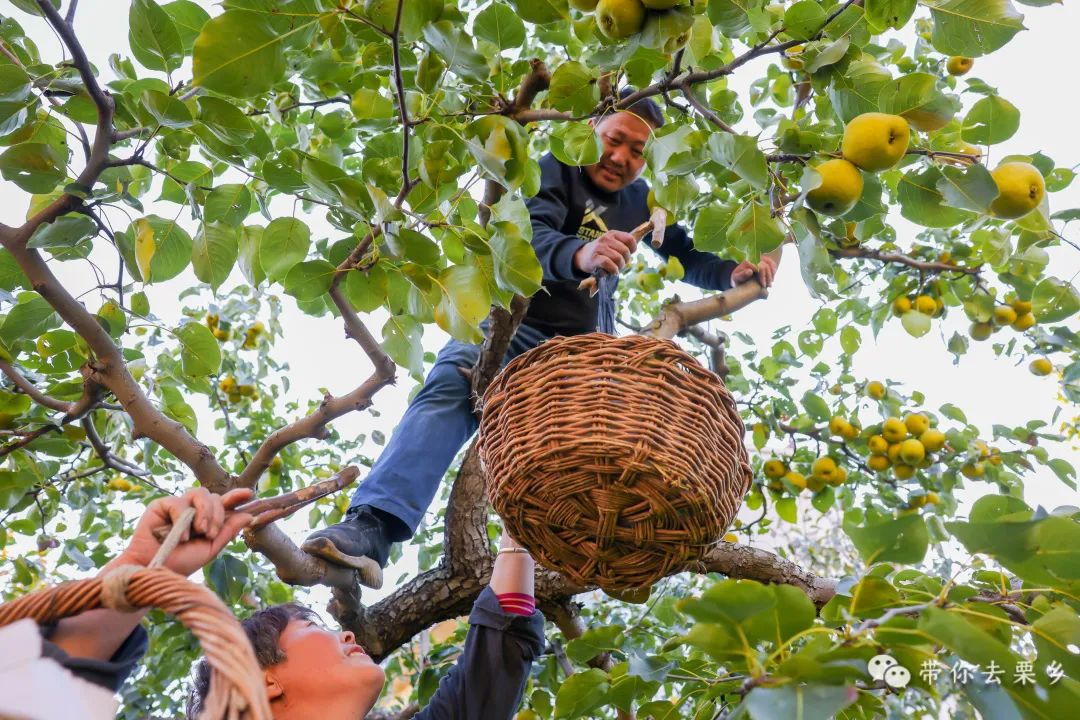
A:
(581, 219)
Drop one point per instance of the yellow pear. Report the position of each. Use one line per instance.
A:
(879, 463)
(1020, 189)
(796, 479)
(1004, 315)
(1041, 366)
(958, 65)
(903, 472)
(824, 468)
(774, 469)
(901, 305)
(875, 141)
(876, 389)
(619, 19)
(912, 452)
(932, 440)
(878, 445)
(894, 430)
(926, 305)
(981, 330)
(917, 423)
(841, 186)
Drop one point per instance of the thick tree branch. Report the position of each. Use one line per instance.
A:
(502, 324)
(296, 567)
(679, 315)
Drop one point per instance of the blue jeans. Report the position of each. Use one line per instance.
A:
(436, 425)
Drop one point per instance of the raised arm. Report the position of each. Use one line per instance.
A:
(506, 635)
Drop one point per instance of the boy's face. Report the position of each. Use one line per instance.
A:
(624, 136)
(323, 664)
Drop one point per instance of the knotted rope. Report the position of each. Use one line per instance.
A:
(236, 683)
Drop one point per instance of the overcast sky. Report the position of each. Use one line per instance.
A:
(1035, 72)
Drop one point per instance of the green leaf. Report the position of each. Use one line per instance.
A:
(541, 12)
(171, 248)
(167, 110)
(500, 145)
(991, 120)
(884, 14)
(368, 104)
(225, 121)
(200, 354)
(787, 510)
(831, 54)
(711, 228)
(741, 155)
(816, 406)
(11, 275)
(188, 18)
(581, 693)
(973, 27)
(239, 54)
(214, 252)
(676, 193)
(1054, 300)
(500, 26)
(576, 144)
(915, 97)
(803, 19)
(730, 16)
(755, 231)
(14, 84)
(798, 702)
(516, 266)
(309, 280)
(34, 167)
(573, 88)
(401, 341)
(113, 316)
(968, 188)
(249, 241)
(595, 641)
(155, 42)
(285, 242)
(850, 339)
(455, 47)
(856, 91)
(903, 540)
(140, 305)
(922, 203)
(228, 204)
(31, 316)
(465, 301)
(64, 232)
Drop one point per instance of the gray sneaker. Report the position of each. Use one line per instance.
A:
(361, 534)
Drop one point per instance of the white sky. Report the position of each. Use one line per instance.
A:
(1034, 72)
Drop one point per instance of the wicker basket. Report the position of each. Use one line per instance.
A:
(617, 461)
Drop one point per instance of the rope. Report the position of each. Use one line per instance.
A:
(236, 683)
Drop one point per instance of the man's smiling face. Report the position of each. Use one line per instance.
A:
(624, 136)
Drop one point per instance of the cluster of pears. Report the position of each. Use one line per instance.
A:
(619, 19)
(916, 313)
(235, 391)
(904, 445)
(252, 334)
(824, 471)
(1014, 313)
(876, 141)
(213, 321)
(872, 142)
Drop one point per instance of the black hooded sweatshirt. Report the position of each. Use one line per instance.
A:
(569, 211)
